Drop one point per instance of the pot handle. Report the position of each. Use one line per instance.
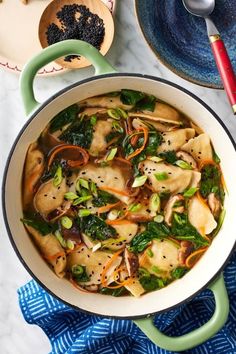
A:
(52, 53)
(199, 335)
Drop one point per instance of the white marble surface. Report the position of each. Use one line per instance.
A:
(129, 53)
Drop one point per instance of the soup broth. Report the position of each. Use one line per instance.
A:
(122, 194)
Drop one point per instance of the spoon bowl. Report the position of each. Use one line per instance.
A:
(97, 7)
(200, 8)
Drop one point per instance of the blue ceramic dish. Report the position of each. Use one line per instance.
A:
(180, 40)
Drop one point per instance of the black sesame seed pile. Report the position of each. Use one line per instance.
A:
(77, 22)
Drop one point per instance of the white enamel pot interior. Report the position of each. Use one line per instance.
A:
(177, 292)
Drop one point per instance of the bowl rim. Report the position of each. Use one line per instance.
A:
(165, 63)
(31, 117)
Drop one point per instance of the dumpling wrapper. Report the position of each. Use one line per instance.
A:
(199, 147)
(105, 102)
(134, 287)
(200, 216)
(178, 179)
(49, 247)
(94, 263)
(34, 166)
(101, 130)
(125, 234)
(165, 258)
(49, 197)
(108, 176)
(165, 112)
(174, 140)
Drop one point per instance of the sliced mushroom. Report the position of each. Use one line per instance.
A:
(186, 248)
(131, 262)
(170, 208)
(182, 155)
(49, 197)
(214, 204)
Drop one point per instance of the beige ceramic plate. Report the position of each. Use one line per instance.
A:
(19, 34)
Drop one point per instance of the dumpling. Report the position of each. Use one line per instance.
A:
(101, 130)
(199, 147)
(105, 102)
(50, 249)
(34, 166)
(175, 139)
(110, 177)
(94, 263)
(49, 197)
(200, 216)
(176, 179)
(165, 258)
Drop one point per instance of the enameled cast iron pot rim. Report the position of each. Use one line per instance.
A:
(34, 114)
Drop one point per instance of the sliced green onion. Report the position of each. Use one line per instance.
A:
(215, 189)
(139, 181)
(93, 189)
(154, 202)
(155, 269)
(159, 218)
(122, 113)
(220, 222)
(82, 199)
(150, 253)
(66, 222)
(96, 247)
(190, 192)
(113, 114)
(113, 214)
(70, 196)
(155, 158)
(111, 154)
(93, 119)
(162, 176)
(183, 164)
(57, 179)
(117, 127)
(135, 207)
(84, 212)
(77, 269)
(143, 272)
(84, 183)
(60, 238)
(70, 244)
(216, 157)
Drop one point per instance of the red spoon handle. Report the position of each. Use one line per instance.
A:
(225, 68)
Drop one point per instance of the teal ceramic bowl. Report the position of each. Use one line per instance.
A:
(180, 39)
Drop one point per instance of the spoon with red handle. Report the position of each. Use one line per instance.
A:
(204, 8)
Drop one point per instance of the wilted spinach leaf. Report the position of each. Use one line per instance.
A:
(103, 198)
(182, 230)
(96, 228)
(153, 231)
(169, 156)
(139, 100)
(150, 283)
(211, 181)
(66, 116)
(38, 224)
(79, 133)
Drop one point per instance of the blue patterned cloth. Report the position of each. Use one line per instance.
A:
(71, 331)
